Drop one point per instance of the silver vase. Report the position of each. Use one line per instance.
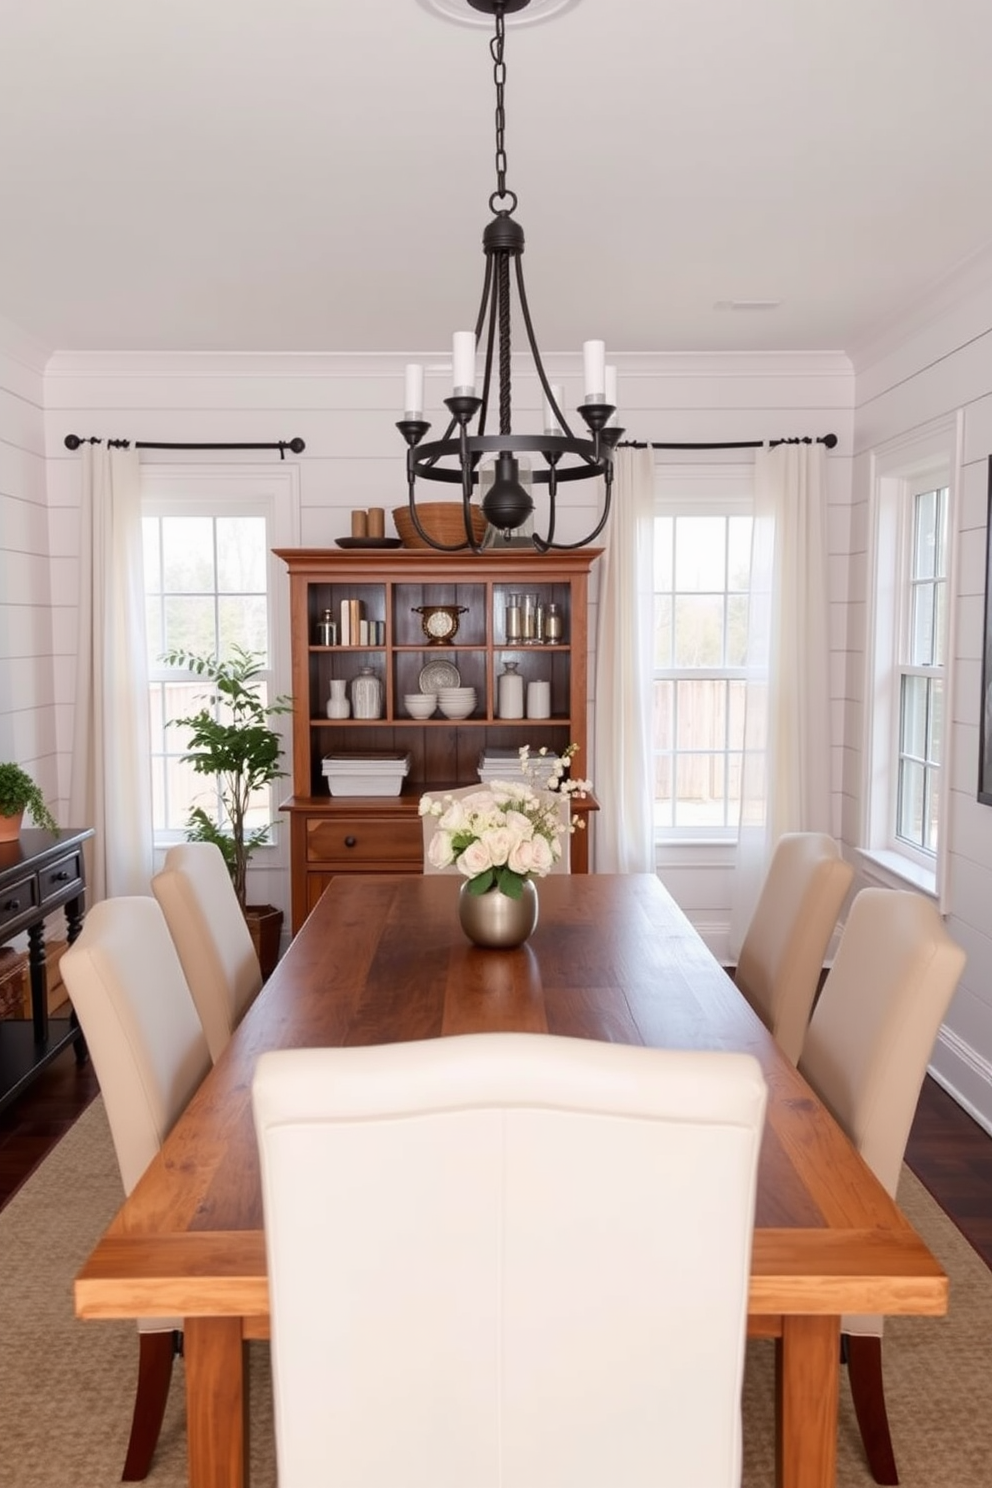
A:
(496, 921)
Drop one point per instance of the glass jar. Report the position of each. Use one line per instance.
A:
(327, 631)
(529, 608)
(554, 625)
(513, 618)
(510, 692)
(366, 695)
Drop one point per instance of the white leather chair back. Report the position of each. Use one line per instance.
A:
(782, 956)
(874, 1026)
(508, 1259)
(143, 1034)
(214, 943)
(560, 865)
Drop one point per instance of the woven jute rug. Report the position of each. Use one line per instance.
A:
(66, 1387)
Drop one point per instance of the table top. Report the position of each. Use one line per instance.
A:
(383, 959)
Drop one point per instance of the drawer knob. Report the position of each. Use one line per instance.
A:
(62, 877)
(350, 841)
(12, 904)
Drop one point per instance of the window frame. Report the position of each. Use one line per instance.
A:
(704, 489)
(900, 472)
(271, 492)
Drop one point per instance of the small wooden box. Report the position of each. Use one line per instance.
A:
(15, 980)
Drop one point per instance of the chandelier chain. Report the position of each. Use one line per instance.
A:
(499, 78)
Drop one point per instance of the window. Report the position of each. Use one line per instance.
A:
(702, 557)
(908, 653)
(210, 582)
(921, 673)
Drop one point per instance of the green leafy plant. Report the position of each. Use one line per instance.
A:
(231, 740)
(18, 793)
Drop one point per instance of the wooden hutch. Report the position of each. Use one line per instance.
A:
(365, 834)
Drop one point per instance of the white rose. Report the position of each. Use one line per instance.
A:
(474, 860)
(440, 853)
(453, 818)
(521, 826)
(521, 859)
(499, 841)
(541, 854)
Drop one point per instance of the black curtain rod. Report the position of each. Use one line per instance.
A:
(297, 446)
(830, 440)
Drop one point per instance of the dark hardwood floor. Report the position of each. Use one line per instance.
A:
(947, 1150)
(31, 1125)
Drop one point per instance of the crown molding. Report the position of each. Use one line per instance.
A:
(20, 346)
(186, 365)
(964, 282)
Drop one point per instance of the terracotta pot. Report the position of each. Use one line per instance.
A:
(494, 920)
(10, 827)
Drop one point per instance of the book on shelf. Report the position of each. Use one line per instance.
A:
(351, 622)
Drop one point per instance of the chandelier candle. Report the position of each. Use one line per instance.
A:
(551, 424)
(594, 365)
(468, 448)
(414, 400)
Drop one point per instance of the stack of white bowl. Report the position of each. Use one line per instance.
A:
(420, 704)
(456, 702)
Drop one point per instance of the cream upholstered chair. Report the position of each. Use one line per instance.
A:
(149, 1053)
(865, 1055)
(560, 865)
(782, 956)
(477, 1246)
(215, 947)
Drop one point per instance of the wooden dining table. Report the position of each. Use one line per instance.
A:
(383, 959)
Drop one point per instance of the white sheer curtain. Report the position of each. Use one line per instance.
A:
(622, 730)
(786, 780)
(111, 777)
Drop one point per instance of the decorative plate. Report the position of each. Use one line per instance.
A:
(438, 674)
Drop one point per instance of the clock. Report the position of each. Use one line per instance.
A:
(440, 622)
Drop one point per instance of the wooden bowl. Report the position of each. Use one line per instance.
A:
(444, 520)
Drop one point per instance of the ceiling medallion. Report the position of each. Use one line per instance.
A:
(518, 12)
(560, 455)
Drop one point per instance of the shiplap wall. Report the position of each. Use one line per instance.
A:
(939, 368)
(28, 731)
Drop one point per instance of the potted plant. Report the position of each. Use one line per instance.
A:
(231, 740)
(18, 793)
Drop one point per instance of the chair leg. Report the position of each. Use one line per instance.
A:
(864, 1368)
(155, 1355)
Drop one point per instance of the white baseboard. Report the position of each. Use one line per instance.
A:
(965, 1075)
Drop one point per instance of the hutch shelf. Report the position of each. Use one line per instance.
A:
(369, 834)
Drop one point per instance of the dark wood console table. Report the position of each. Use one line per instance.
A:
(39, 873)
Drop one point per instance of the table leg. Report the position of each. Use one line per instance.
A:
(807, 1379)
(216, 1402)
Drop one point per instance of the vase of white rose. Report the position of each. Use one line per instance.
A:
(501, 838)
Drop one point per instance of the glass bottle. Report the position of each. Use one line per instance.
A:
(554, 625)
(366, 695)
(513, 618)
(327, 631)
(510, 691)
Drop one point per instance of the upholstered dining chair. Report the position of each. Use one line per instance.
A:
(544, 1212)
(865, 1055)
(782, 955)
(214, 943)
(149, 1053)
(560, 865)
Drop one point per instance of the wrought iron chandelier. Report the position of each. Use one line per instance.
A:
(458, 456)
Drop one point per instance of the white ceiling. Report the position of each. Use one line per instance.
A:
(314, 175)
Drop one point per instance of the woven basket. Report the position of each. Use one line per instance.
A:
(444, 520)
